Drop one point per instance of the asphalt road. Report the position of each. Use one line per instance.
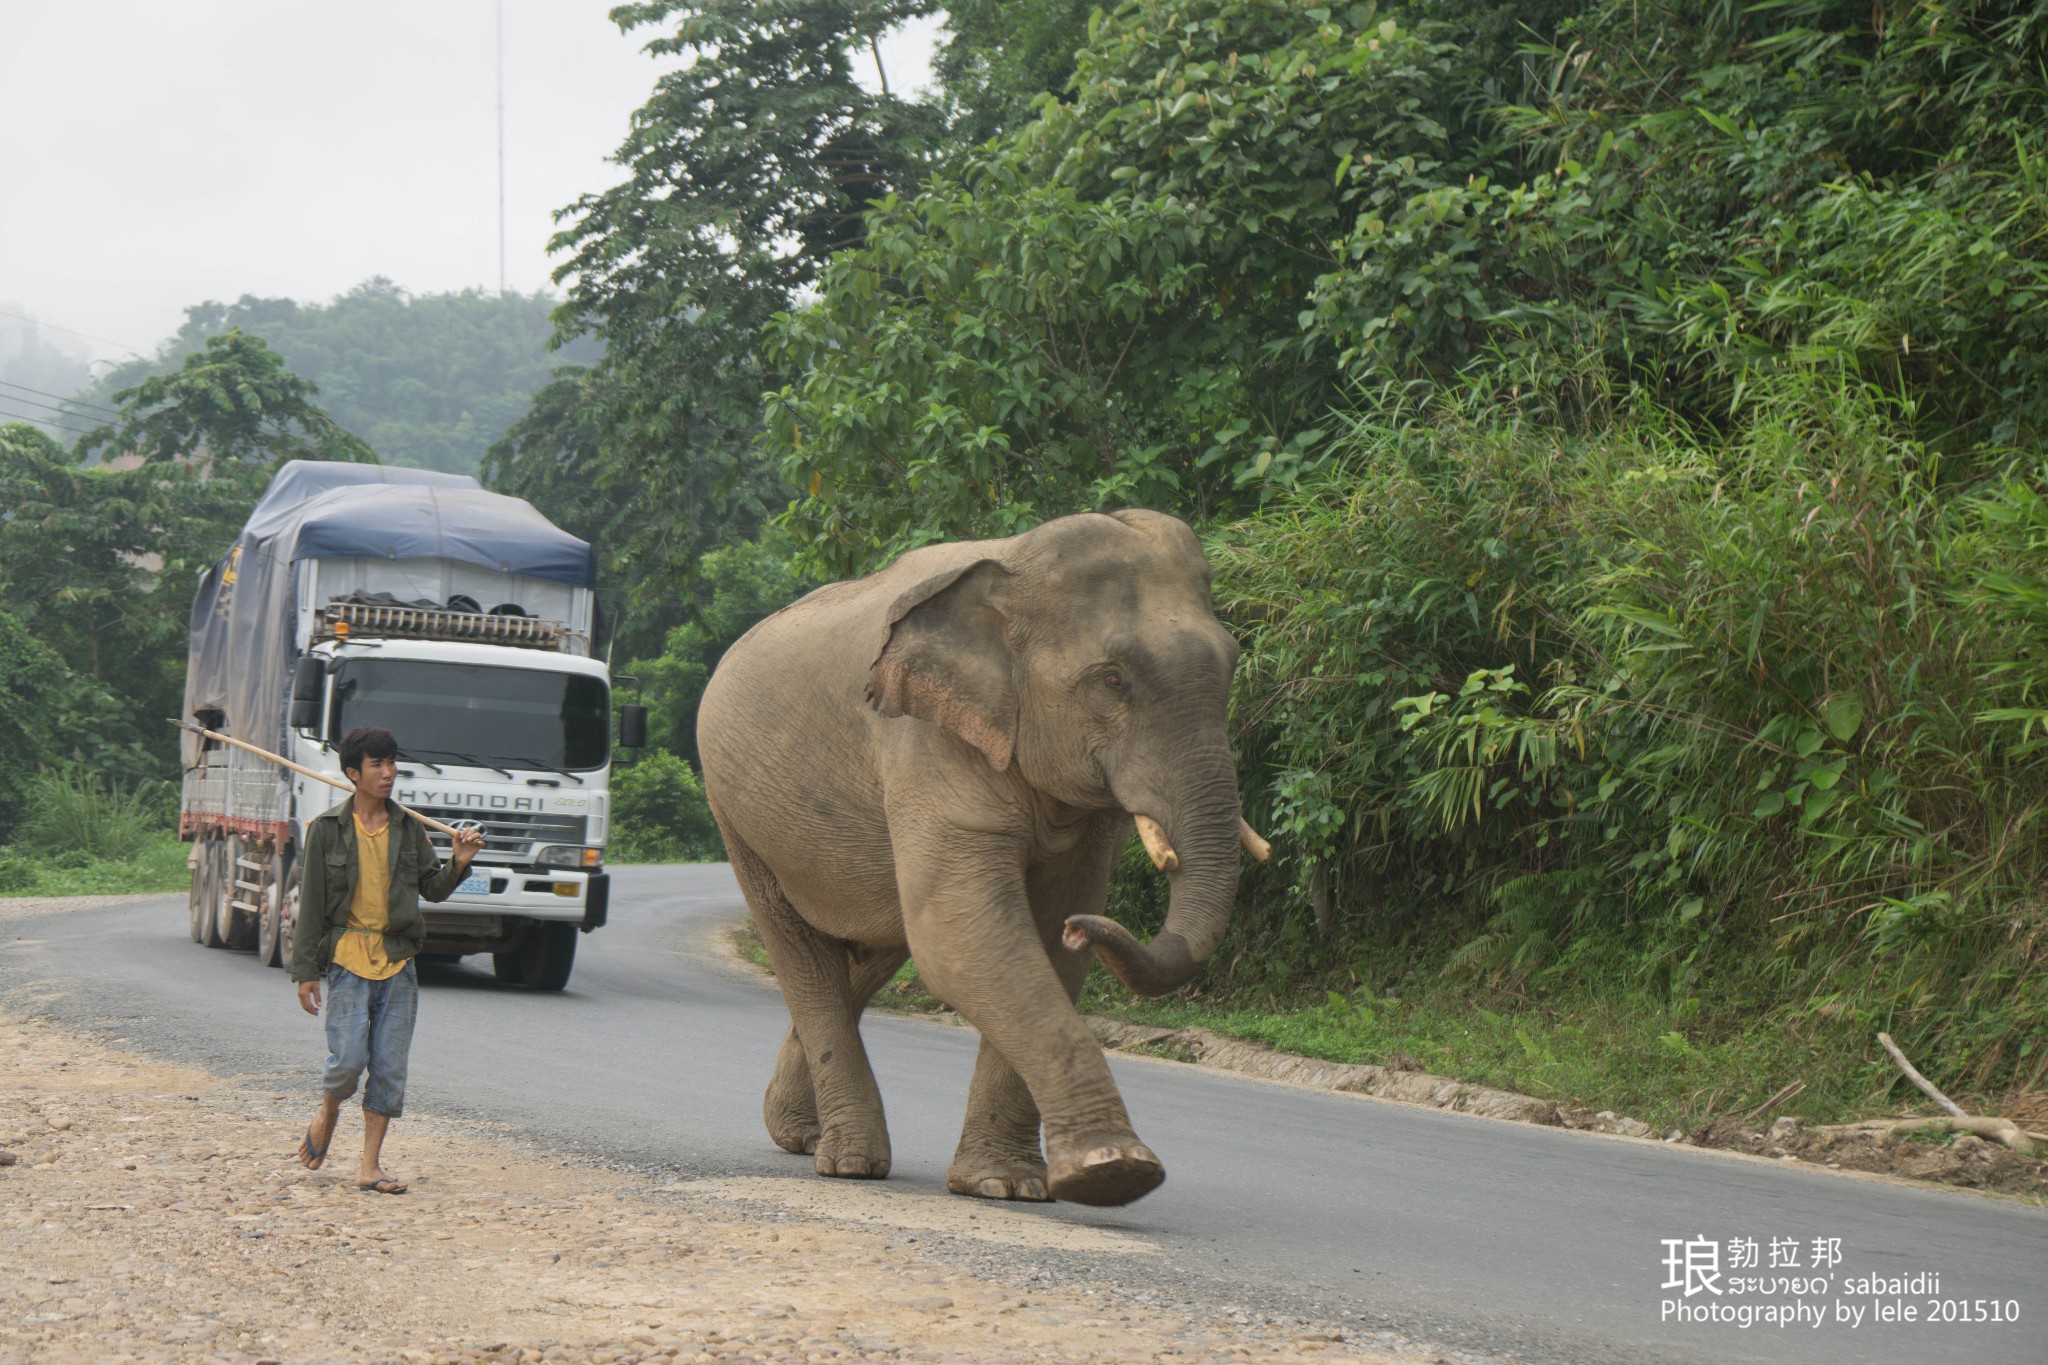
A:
(1541, 1244)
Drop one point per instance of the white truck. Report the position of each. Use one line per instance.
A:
(459, 619)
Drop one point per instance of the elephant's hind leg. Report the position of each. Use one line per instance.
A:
(789, 1108)
(811, 968)
(998, 1156)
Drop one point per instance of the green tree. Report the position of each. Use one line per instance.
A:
(52, 716)
(1251, 212)
(233, 404)
(94, 566)
(748, 169)
(737, 586)
(429, 381)
(1108, 305)
(660, 814)
(1001, 57)
(552, 457)
(97, 560)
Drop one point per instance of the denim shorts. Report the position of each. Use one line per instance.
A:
(369, 1025)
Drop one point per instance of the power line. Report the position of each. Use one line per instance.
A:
(74, 402)
(44, 422)
(71, 331)
(52, 407)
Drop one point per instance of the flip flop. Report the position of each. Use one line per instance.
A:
(311, 1157)
(385, 1185)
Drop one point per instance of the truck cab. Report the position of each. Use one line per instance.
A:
(355, 596)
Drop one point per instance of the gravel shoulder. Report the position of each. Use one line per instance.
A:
(155, 1212)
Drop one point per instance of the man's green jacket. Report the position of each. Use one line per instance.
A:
(327, 883)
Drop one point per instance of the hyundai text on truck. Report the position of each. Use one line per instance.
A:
(459, 619)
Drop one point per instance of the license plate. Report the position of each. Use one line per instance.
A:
(475, 884)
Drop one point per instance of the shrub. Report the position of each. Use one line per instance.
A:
(73, 816)
(659, 814)
(17, 871)
(1538, 709)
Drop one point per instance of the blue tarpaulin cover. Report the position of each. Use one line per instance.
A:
(243, 616)
(319, 510)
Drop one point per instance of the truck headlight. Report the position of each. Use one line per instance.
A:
(560, 855)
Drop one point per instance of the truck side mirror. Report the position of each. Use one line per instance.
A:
(309, 680)
(632, 726)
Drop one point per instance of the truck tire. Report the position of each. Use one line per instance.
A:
(214, 857)
(542, 961)
(270, 927)
(196, 907)
(288, 915)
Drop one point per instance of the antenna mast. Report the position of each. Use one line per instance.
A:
(501, 145)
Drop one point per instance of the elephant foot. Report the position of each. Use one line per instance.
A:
(800, 1140)
(795, 1129)
(788, 1108)
(850, 1158)
(1110, 1172)
(994, 1178)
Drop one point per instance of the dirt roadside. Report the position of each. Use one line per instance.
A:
(154, 1213)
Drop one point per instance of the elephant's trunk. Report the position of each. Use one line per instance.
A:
(1201, 827)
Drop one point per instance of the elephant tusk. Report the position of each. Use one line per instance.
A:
(1253, 844)
(1154, 836)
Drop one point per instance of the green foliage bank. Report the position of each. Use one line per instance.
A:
(1617, 426)
(1619, 431)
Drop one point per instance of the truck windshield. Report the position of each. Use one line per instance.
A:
(511, 716)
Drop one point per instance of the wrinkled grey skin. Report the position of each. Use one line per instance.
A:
(944, 759)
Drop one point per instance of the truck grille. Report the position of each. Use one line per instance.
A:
(511, 834)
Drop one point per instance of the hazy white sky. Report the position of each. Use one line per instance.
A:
(157, 153)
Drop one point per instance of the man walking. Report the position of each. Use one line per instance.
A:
(363, 872)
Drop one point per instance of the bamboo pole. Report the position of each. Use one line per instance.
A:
(281, 761)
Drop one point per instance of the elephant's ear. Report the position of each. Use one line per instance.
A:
(947, 659)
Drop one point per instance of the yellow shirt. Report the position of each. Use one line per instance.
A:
(361, 949)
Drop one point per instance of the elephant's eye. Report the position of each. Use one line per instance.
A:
(1113, 679)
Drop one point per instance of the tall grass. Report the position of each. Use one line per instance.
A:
(1746, 725)
(74, 815)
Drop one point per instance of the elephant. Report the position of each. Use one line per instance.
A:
(944, 759)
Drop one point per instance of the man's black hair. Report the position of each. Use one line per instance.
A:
(366, 741)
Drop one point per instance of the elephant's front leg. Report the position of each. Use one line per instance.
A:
(789, 1107)
(976, 940)
(999, 1155)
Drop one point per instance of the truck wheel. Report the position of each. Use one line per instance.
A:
(270, 927)
(542, 961)
(216, 861)
(288, 914)
(551, 954)
(196, 907)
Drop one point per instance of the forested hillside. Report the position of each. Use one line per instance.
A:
(428, 381)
